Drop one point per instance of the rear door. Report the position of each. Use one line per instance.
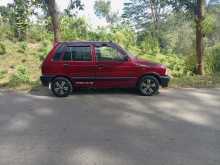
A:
(78, 64)
(112, 69)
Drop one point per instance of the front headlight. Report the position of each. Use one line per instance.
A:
(167, 73)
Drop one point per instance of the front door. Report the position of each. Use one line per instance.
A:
(79, 65)
(112, 69)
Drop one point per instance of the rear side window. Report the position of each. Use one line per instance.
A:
(77, 53)
(58, 53)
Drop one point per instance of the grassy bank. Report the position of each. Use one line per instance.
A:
(206, 81)
(20, 64)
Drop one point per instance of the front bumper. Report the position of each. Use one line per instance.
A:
(45, 80)
(164, 81)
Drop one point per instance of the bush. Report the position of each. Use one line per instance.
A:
(212, 59)
(177, 65)
(2, 73)
(72, 28)
(21, 76)
(2, 49)
(6, 31)
(44, 49)
(190, 62)
(22, 47)
(38, 33)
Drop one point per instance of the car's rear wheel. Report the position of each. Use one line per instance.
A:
(61, 87)
(148, 86)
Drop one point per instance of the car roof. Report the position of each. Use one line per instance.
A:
(69, 43)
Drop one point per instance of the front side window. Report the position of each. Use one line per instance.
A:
(106, 53)
(77, 53)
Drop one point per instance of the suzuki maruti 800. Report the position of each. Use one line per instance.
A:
(91, 64)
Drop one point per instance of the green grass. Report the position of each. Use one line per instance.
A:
(14, 57)
(206, 81)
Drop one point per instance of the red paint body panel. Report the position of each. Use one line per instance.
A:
(101, 74)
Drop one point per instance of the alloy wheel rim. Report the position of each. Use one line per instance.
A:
(148, 87)
(61, 87)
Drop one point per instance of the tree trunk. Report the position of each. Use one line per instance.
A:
(52, 9)
(154, 5)
(155, 17)
(199, 37)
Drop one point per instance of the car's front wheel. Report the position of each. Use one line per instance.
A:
(148, 86)
(61, 87)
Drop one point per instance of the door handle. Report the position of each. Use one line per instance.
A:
(100, 66)
(66, 65)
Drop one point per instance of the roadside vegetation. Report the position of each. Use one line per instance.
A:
(169, 39)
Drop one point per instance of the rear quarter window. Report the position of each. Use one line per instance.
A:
(58, 53)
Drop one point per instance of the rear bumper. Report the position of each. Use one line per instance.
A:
(45, 80)
(164, 81)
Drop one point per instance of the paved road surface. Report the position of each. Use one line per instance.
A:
(177, 127)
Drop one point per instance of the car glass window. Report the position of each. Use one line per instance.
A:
(106, 53)
(58, 53)
(67, 55)
(77, 53)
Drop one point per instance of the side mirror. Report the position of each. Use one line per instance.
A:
(125, 58)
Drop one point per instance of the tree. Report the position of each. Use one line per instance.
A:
(195, 9)
(103, 9)
(20, 17)
(199, 35)
(73, 8)
(144, 13)
(7, 14)
(53, 12)
(147, 16)
(49, 8)
(17, 15)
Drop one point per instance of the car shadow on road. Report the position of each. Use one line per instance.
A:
(44, 91)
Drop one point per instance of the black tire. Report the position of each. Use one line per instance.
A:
(148, 86)
(61, 87)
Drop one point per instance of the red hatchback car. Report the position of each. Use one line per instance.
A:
(91, 64)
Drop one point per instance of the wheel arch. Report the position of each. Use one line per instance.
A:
(64, 76)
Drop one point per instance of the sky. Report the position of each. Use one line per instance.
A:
(88, 12)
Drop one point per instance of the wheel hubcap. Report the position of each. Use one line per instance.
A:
(148, 86)
(61, 87)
